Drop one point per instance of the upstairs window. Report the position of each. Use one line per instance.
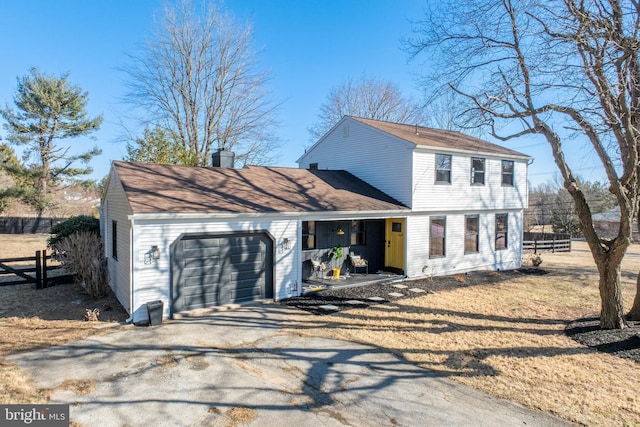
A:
(437, 238)
(443, 169)
(507, 172)
(114, 240)
(308, 235)
(502, 231)
(471, 234)
(477, 171)
(358, 233)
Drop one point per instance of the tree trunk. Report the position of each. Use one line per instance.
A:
(611, 312)
(634, 313)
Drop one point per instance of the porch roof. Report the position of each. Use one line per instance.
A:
(152, 188)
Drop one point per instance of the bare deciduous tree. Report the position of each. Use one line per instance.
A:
(198, 77)
(560, 70)
(365, 97)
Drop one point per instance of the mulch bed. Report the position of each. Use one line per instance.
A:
(343, 298)
(619, 342)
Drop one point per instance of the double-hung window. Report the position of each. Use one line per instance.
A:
(437, 237)
(471, 234)
(507, 172)
(502, 231)
(477, 170)
(443, 169)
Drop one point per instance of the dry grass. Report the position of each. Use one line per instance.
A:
(505, 339)
(240, 416)
(22, 245)
(508, 340)
(31, 319)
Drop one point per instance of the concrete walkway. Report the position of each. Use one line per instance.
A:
(239, 368)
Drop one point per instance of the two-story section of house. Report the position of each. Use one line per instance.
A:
(465, 196)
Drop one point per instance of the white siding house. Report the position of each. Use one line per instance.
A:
(401, 160)
(199, 237)
(410, 200)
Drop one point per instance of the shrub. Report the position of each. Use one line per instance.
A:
(535, 260)
(73, 225)
(81, 254)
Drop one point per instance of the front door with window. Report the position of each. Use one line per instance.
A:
(394, 244)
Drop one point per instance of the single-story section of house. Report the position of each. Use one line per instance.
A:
(198, 237)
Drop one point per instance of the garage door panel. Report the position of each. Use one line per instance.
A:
(245, 275)
(201, 301)
(214, 270)
(251, 258)
(210, 262)
(207, 280)
(250, 247)
(241, 293)
(247, 266)
(202, 252)
(201, 242)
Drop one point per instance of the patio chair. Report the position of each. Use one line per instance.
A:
(358, 262)
(318, 267)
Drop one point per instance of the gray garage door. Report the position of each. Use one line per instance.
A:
(213, 270)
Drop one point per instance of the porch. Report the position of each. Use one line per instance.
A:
(349, 280)
(329, 245)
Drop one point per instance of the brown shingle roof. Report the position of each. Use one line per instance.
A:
(439, 138)
(152, 188)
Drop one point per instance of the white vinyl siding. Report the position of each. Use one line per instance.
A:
(456, 261)
(376, 157)
(461, 195)
(152, 280)
(117, 209)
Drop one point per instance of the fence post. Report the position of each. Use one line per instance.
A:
(45, 282)
(38, 271)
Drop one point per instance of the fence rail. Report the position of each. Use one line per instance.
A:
(546, 243)
(36, 271)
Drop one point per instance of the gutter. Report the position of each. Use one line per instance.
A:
(274, 215)
(429, 149)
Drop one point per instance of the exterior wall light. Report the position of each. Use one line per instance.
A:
(155, 252)
(286, 243)
(340, 231)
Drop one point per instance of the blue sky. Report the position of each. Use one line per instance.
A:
(307, 46)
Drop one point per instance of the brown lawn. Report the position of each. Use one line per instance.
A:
(508, 339)
(504, 338)
(32, 319)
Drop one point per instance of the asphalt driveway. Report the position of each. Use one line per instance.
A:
(238, 367)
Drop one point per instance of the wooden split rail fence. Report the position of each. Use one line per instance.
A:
(25, 270)
(538, 242)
